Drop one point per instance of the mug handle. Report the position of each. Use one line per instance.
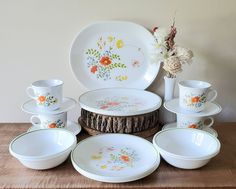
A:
(210, 124)
(29, 91)
(32, 120)
(214, 95)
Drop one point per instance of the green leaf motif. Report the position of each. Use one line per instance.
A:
(94, 52)
(116, 65)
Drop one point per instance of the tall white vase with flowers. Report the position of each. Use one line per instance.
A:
(171, 56)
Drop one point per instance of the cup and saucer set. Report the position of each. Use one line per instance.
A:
(49, 107)
(194, 107)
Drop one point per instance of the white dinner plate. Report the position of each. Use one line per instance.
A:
(174, 125)
(113, 54)
(211, 108)
(30, 106)
(120, 101)
(115, 158)
(71, 126)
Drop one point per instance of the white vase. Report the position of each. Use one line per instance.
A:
(169, 88)
(169, 117)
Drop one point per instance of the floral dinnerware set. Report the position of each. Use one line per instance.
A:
(114, 61)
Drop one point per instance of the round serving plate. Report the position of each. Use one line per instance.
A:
(113, 54)
(120, 101)
(115, 158)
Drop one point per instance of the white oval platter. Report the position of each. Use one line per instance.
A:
(115, 158)
(120, 101)
(113, 54)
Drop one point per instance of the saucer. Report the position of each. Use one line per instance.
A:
(211, 109)
(173, 125)
(30, 106)
(71, 126)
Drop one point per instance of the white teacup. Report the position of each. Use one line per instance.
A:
(50, 121)
(47, 93)
(194, 94)
(184, 121)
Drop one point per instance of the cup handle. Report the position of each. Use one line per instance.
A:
(33, 120)
(211, 122)
(29, 91)
(214, 95)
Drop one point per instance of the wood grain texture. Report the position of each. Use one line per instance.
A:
(120, 124)
(145, 133)
(219, 172)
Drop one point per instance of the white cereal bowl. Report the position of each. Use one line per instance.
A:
(186, 148)
(43, 149)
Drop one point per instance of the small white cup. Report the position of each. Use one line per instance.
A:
(50, 121)
(194, 94)
(184, 121)
(46, 93)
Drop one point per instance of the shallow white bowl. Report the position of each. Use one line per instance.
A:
(186, 148)
(43, 149)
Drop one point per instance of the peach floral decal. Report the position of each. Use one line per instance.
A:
(194, 101)
(114, 158)
(103, 59)
(120, 104)
(46, 100)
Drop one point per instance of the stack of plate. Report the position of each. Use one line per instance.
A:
(113, 63)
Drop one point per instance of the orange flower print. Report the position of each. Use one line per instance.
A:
(104, 107)
(192, 126)
(52, 125)
(195, 99)
(41, 99)
(105, 60)
(113, 103)
(124, 158)
(94, 69)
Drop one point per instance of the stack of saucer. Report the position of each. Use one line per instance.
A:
(49, 106)
(194, 107)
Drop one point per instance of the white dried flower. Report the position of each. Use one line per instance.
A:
(161, 34)
(184, 55)
(172, 65)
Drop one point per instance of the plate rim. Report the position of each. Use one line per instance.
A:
(119, 179)
(119, 113)
(175, 123)
(68, 122)
(189, 113)
(107, 22)
(53, 112)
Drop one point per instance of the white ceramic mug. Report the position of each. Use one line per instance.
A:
(50, 121)
(46, 93)
(194, 94)
(184, 121)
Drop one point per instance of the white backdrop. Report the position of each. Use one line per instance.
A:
(35, 38)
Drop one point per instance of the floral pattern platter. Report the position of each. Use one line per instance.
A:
(113, 54)
(120, 101)
(115, 158)
(211, 108)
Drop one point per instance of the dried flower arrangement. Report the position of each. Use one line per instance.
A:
(172, 56)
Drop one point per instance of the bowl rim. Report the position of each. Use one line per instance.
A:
(41, 157)
(202, 157)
